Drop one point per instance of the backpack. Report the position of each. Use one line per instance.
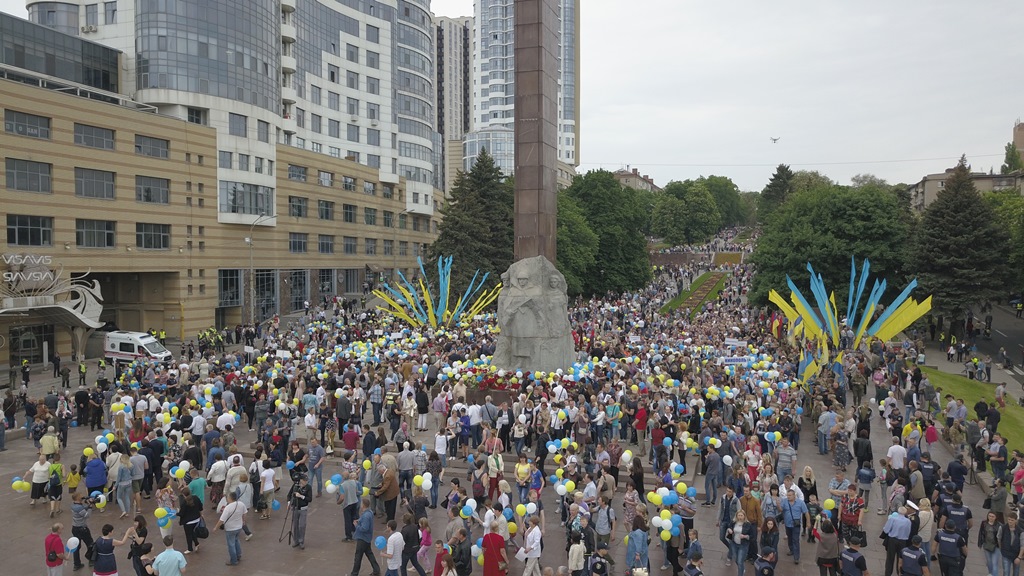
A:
(478, 486)
(55, 479)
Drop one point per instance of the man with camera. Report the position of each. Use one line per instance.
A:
(81, 507)
(299, 497)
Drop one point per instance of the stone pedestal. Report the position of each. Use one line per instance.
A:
(533, 317)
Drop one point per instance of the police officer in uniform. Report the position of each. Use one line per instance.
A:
(765, 563)
(951, 549)
(851, 561)
(913, 561)
(960, 515)
(81, 372)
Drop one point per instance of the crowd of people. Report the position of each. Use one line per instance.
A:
(419, 420)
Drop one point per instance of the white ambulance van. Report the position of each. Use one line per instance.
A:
(123, 346)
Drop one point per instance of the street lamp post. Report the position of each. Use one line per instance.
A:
(252, 270)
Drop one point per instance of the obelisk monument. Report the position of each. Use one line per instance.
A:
(533, 307)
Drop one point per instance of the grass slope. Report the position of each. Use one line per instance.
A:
(1011, 425)
(710, 296)
(683, 295)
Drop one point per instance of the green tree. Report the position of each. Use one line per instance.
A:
(1012, 162)
(959, 254)
(825, 227)
(577, 244)
(667, 220)
(862, 180)
(476, 228)
(617, 216)
(1008, 207)
(809, 180)
(775, 193)
(727, 198)
(748, 208)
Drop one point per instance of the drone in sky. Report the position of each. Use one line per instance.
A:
(775, 140)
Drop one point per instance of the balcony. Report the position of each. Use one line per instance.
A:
(288, 124)
(288, 6)
(288, 95)
(287, 32)
(288, 63)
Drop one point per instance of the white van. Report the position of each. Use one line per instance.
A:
(124, 346)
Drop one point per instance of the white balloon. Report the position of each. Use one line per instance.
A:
(656, 521)
(475, 550)
(101, 439)
(427, 475)
(727, 460)
(185, 465)
(332, 488)
(471, 503)
(552, 449)
(663, 491)
(73, 543)
(626, 457)
(522, 418)
(531, 508)
(427, 484)
(560, 490)
(101, 448)
(101, 499)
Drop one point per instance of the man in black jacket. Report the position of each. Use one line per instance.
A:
(461, 553)
(411, 535)
(299, 497)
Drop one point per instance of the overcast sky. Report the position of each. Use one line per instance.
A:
(683, 88)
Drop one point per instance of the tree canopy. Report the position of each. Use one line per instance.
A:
(775, 193)
(686, 213)
(960, 253)
(825, 225)
(577, 244)
(1012, 162)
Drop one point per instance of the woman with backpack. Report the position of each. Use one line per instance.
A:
(55, 485)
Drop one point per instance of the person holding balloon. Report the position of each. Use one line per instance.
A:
(81, 507)
(39, 474)
(56, 552)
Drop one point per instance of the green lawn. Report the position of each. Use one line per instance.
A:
(728, 258)
(744, 235)
(1011, 426)
(679, 299)
(715, 291)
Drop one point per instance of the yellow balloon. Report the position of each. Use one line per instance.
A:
(512, 529)
(625, 540)
(366, 490)
(520, 510)
(480, 559)
(681, 487)
(295, 401)
(417, 480)
(666, 535)
(367, 464)
(559, 472)
(88, 451)
(110, 437)
(570, 486)
(277, 402)
(180, 473)
(656, 499)
(665, 514)
(558, 458)
(160, 512)
(829, 504)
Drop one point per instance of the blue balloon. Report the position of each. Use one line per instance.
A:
(470, 459)
(679, 469)
(174, 470)
(507, 513)
(74, 423)
(275, 505)
(344, 428)
(95, 494)
(691, 492)
(667, 442)
(336, 479)
(290, 465)
(467, 511)
(162, 522)
(380, 542)
(480, 542)
(676, 521)
(671, 499)
(675, 530)
(799, 410)
(553, 479)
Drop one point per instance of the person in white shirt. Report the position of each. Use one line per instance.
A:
(392, 553)
(532, 548)
(225, 420)
(267, 484)
(896, 454)
(232, 518)
(198, 424)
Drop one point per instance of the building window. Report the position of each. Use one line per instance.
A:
(153, 236)
(352, 155)
(317, 147)
(389, 219)
(372, 85)
(314, 123)
(334, 101)
(348, 183)
(373, 160)
(351, 245)
(24, 124)
(258, 166)
(297, 173)
(314, 94)
(25, 230)
(154, 147)
(371, 246)
(334, 151)
(403, 248)
(370, 188)
(92, 14)
(325, 178)
(402, 219)
(238, 125)
(95, 233)
(297, 242)
(224, 159)
(352, 80)
(415, 197)
(297, 206)
(263, 131)
(229, 287)
(94, 183)
(243, 162)
(349, 213)
(197, 116)
(372, 111)
(353, 133)
(389, 247)
(351, 53)
(389, 191)
(29, 176)
(94, 137)
(415, 223)
(333, 72)
(334, 128)
(372, 59)
(372, 34)
(325, 209)
(300, 117)
(352, 105)
(299, 280)
(326, 243)
(326, 281)
(370, 216)
(241, 198)
(110, 12)
(152, 190)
